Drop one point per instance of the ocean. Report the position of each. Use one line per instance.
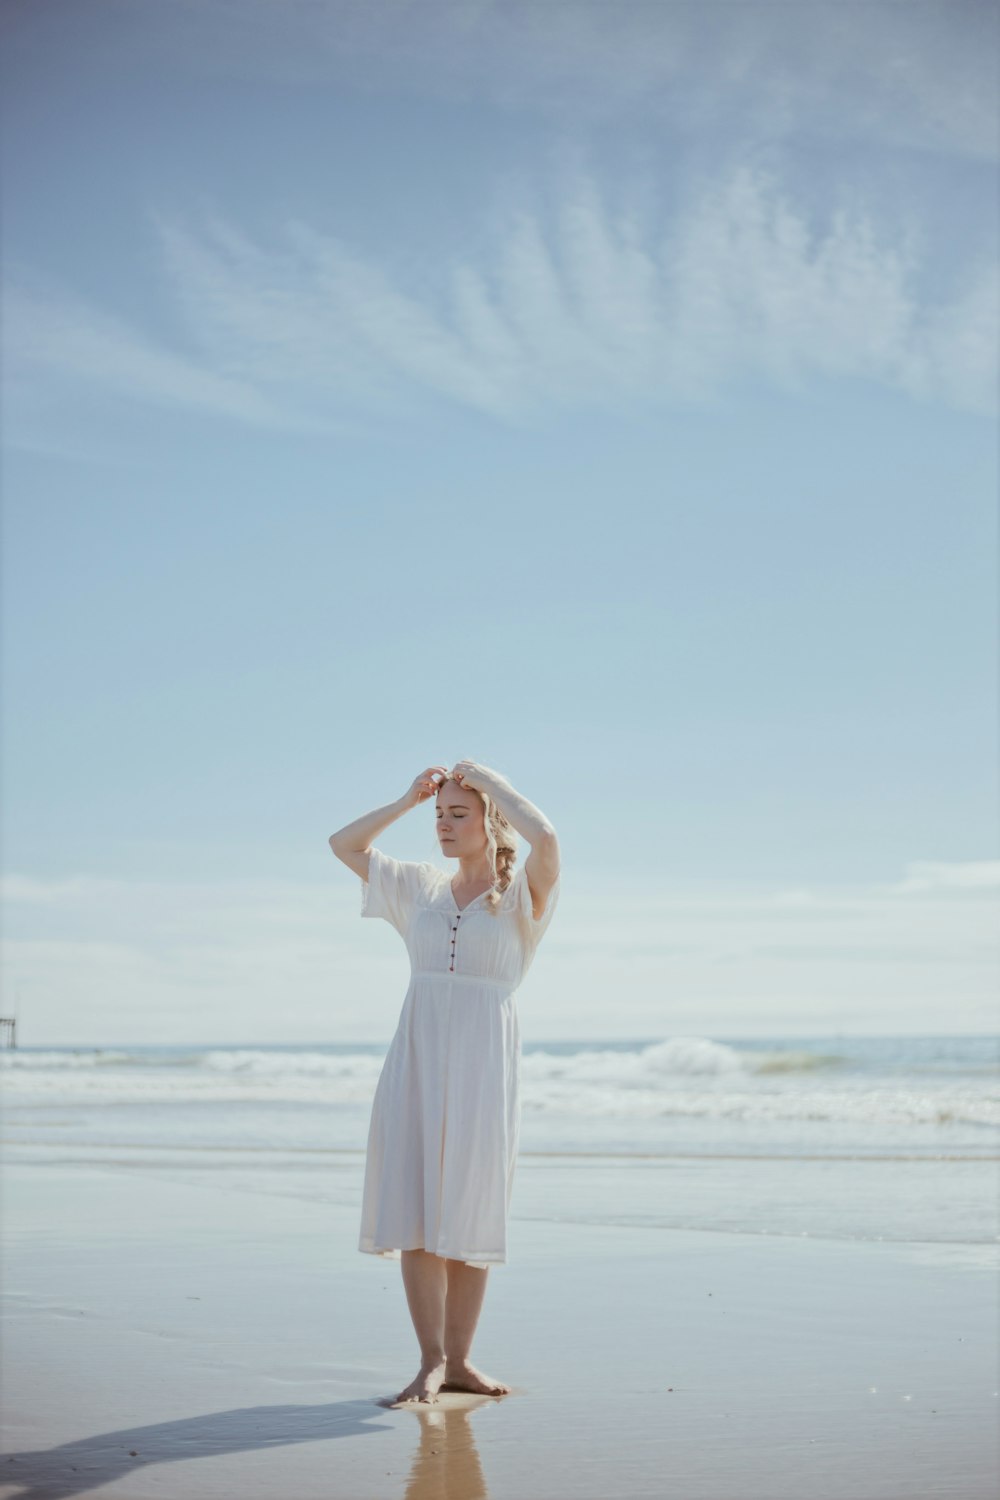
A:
(869, 1138)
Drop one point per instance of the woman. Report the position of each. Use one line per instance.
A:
(442, 1143)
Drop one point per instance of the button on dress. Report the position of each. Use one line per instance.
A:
(442, 1142)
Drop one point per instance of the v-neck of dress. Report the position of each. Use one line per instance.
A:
(468, 903)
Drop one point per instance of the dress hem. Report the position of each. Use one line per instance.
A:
(480, 1261)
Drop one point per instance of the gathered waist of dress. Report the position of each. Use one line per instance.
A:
(507, 986)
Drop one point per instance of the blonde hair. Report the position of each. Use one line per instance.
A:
(501, 845)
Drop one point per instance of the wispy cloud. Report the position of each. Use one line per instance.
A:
(579, 307)
(972, 876)
(58, 333)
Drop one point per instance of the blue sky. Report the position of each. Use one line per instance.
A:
(605, 393)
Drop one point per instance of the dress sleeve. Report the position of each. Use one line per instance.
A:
(393, 888)
(534, 930)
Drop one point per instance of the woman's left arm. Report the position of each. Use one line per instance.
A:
(542, 864)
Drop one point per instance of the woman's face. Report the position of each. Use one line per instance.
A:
(461, 828)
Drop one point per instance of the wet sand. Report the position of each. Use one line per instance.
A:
(189, 1338)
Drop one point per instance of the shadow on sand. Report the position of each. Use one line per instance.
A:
(445, 1462)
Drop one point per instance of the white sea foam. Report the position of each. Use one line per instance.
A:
(682, 1056)
(683, 1076)
(14, 1059)
(875, 1106)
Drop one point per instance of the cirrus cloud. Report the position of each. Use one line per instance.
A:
(578, 307)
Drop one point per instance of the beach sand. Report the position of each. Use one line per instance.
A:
(179, 1336)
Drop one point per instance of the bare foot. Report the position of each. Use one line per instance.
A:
(460, 1375)
(426, 1385)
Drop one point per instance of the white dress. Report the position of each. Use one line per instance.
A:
(442, 1143)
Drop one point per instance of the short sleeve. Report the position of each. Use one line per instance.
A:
(534, 930)
(393, 888)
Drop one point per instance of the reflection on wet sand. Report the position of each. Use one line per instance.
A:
(446, 1464)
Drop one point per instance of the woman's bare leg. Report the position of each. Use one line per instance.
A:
(425, 1278)
(463, 1304)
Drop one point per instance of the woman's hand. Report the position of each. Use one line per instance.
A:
(425, 786)
(477, 778)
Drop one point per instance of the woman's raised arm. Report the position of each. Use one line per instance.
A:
(352, 843)
(542, 864)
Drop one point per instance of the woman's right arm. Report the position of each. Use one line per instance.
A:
(353, 842)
